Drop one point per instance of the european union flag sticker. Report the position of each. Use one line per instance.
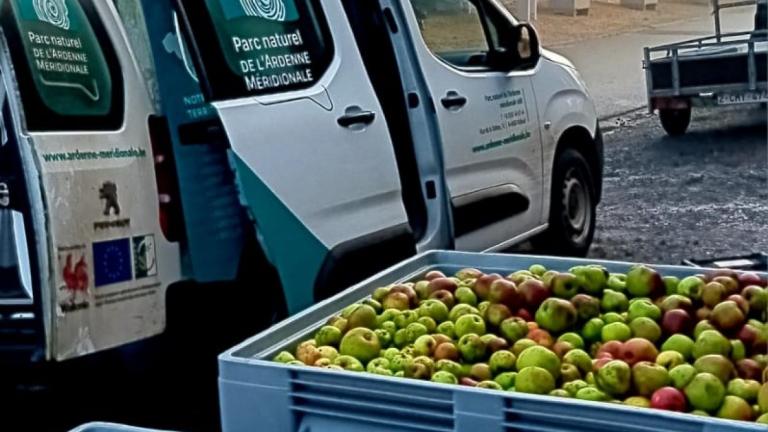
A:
(112, 262)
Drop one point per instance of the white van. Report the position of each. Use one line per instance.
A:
(362, 132)
(84, 263)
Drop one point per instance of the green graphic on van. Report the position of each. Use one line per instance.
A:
(64, 55)
(273, 10)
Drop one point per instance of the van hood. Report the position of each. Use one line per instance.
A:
(557, 58)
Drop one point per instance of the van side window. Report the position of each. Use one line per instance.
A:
(257, 47)
(453, 30)
(67, 70)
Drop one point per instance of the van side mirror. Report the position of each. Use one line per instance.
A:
(521, 49)
(528, 47)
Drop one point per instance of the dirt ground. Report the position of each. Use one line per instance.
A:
(700, 196)
(606, 19)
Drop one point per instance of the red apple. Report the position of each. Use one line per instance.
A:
(434, 274)
(534, 292)
(541, 337)
(466, 381)
(524, 314)
(407, 290)
(446, 284)
(730, 283)
(505, 292)
(676, 321)
(612, 347)
(483, 285)
(669, 399)
(445, 297)
(748, 278)
(749, 369)
(637, 350)
(748, 335)
(703, 313)
(741, 301)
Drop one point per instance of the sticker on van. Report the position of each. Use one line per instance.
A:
(274, 10)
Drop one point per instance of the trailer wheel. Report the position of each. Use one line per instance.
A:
(572, 212)
(675, 121)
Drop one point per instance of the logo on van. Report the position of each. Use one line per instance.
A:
(268, 9)
(53, 12)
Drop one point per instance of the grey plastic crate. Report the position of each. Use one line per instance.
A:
(110, 427)
(257, 394)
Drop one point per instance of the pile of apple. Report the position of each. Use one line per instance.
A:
(696, 345)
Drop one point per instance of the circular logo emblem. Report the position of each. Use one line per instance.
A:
(54, 12)
(269, 9)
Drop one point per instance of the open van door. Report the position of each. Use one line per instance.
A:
(77, 117)
(312, 152)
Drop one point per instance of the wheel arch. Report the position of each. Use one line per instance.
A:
(590, 145)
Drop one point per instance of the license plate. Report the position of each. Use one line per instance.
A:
(742, 98)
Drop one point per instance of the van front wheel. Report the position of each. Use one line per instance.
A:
(572, 209)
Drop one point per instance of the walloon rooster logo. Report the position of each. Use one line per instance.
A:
(54, 12)
(76, 280)
(268, 9)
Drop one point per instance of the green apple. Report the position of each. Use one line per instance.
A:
(711, 342)
(469, 323)
(573, 387)
(434, 309)
(670, 359)
(617, 282)
(534, 379)
(401, 338)
(389, 326)
(537, 270)
(763, 419)
(615, 377)
(374, 304)
(691, 287)
(378, 363)
(462, 309)
(735, 408)
(487, 384)
(644, 309)
(556, 314)
(429, 323)
(573, 338)
(565, 285)
(717, 365)
(521, 345)
(480, 372)
(649, 377)
(506, 379)
(646, 328)
(502, 361)
(580, 359)
(745, 389)
(559, 393)
(638, 401)
(415, 330)
(283, 357)
(472, 347)
(447, 328)
(482, 307)
(682, 375)
(594, 278)
(424, 345)
(405, 318)
(541, 357)
(380, 293)
(449, 366)
(569, 372)
(616, 331)
(738, 350)
(680, 343)
(513, 329)
(390, 353)
(705, 392)
(592, 330)
(701, 327)
(328, 352)
(338, 322)
(385, 337)
(465, 295)
(360, 343)
(387, 315)
(762, 398)
(444, 378)
(670, 284)
(642, 281)
(613, 317)
(592, 394)
(614, 301)
(422, 289)
(349, 363)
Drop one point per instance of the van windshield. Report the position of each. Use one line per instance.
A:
(66, 67)
(262, 46)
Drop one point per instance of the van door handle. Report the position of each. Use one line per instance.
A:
(453, 101)
(356, 117)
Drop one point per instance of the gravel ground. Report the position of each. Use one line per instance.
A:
(702, 195)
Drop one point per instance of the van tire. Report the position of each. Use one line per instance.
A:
(572, 212)
(675, 121)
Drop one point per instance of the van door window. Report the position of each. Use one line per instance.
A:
(453, 30)
(66, 67)
(261, 46)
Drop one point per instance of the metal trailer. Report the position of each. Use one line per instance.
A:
(719, 70)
